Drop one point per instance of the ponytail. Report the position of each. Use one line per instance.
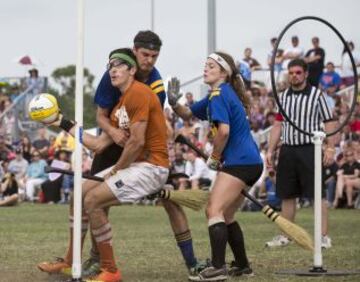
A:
(237, 82)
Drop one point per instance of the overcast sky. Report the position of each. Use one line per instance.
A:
(47, 30)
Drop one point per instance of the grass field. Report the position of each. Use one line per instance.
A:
(146, 250)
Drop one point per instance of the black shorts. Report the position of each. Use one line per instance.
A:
(295, 172)
(246, 173)
(106, 159)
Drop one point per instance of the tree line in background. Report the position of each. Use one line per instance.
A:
(65, 78)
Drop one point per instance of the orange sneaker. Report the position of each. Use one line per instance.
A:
(106, 276)
(59, 266)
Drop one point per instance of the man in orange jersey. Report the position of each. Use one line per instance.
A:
(141, 170)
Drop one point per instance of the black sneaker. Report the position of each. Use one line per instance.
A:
(211, 274)
(235, 270)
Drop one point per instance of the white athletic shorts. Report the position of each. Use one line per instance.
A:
(139, 180)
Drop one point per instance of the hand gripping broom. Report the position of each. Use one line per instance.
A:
(293, 231)
(193, 199)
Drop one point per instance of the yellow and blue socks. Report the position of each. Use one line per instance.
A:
(184, 242)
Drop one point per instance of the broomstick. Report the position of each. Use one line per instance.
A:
(293, 231)
(193, 199)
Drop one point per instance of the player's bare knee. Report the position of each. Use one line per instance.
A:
(98, 216)
(229, 218)
(213, 211)
(90, 202)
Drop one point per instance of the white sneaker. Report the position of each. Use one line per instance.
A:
(325, 242)
(278, 241)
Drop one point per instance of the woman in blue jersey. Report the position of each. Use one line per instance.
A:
(235, 155)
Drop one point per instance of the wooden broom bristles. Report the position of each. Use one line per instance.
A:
(293, 231)
(193, 199)
(196, 199)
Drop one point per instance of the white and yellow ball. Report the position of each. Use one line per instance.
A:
(44, 108)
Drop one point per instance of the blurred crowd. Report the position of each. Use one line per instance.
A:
(22, 161)
(24, 164)
(342, 177)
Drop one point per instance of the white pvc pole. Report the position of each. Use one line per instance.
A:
(211, 26)
(318, 140)
(152, 15)
(76, 266)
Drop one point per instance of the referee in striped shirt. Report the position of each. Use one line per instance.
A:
(306, 107)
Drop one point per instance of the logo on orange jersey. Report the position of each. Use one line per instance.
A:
(123, 118)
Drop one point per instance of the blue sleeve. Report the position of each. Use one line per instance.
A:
(199, 109)
(106, 95)
(162, 97)
(156, 84)
(219, 110)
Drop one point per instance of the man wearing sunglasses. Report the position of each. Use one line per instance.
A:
(305, 105)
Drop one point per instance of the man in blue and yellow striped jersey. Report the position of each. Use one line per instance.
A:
(146, 48)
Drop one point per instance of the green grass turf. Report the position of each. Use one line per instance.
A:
(146, 250)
